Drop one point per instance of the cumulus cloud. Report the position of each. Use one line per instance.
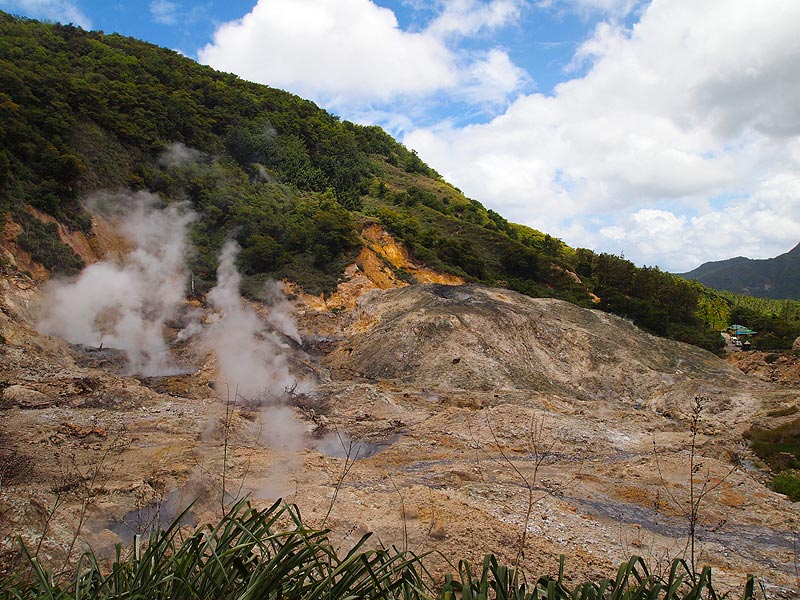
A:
(761, 225)
(62, 11)
(492, 77)
(354, 52)
(469, 17)
(682, 123)
(351, 48)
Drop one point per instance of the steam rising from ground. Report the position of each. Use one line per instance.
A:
(253, 366)
(280, 315)
(125, 304)
(251, 359)
(177, 154)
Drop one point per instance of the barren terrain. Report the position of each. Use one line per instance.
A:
(449, 419)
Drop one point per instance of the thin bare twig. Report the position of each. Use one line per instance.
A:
(349, 460)
(402, 513)
(539, 450)
(692, 512)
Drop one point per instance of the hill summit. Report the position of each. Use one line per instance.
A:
(777, 278)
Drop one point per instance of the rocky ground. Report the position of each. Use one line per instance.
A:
(455, 420)
(774, 367)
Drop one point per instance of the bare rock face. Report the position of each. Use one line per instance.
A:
(485, 339)
(783, 368)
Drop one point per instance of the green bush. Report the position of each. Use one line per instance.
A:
(778, 447)
(41, 240)
(787, 483)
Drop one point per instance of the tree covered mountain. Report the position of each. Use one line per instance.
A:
(776, 278)
(294, 185)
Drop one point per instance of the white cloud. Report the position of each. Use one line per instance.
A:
(492, 78)
(349, 49)
(761, 225)
(469, 17)
(62, 11)
(696, 103)
(612, 8)
(164, 12)
(352, 53)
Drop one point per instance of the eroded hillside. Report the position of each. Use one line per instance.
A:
(459, 419)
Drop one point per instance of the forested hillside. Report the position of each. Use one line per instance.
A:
(776, 278)
(84, 111)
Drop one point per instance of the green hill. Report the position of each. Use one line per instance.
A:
(83, 111)
(776, 278)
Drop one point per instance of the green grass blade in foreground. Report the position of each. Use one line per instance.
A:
(255, 554)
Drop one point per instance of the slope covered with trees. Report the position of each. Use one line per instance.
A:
(84, 111)
(776, 278)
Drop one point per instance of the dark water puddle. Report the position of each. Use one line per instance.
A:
(343, 446)
(742, 539)
(110, 359)
(155, 516)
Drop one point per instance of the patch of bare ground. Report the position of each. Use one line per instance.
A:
(776, 367)
(456, 420)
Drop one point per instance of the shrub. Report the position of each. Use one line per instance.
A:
(787, 483)
(41, 240)
(778, 447)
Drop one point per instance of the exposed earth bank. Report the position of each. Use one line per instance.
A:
(456, 419)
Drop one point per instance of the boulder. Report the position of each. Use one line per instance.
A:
(24, 397)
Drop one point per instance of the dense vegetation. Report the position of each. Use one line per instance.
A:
(776, 278)
(779, 447)
(271, 554)
(777, 322)
(82, 111)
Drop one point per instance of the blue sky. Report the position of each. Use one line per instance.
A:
(665, 129)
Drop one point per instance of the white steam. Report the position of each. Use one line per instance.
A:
(178, 155)
(253, 365)
(262, 175)
(251, 359)
(280, 315)
(125, 304)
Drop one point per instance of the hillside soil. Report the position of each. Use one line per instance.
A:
(781, 368)
(449, 419)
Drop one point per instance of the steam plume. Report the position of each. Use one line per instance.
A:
(252, 363)
(125, 304)
(250, 358)
(177, 155)
(280, 315)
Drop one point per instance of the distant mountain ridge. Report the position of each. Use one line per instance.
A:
(777, 278)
